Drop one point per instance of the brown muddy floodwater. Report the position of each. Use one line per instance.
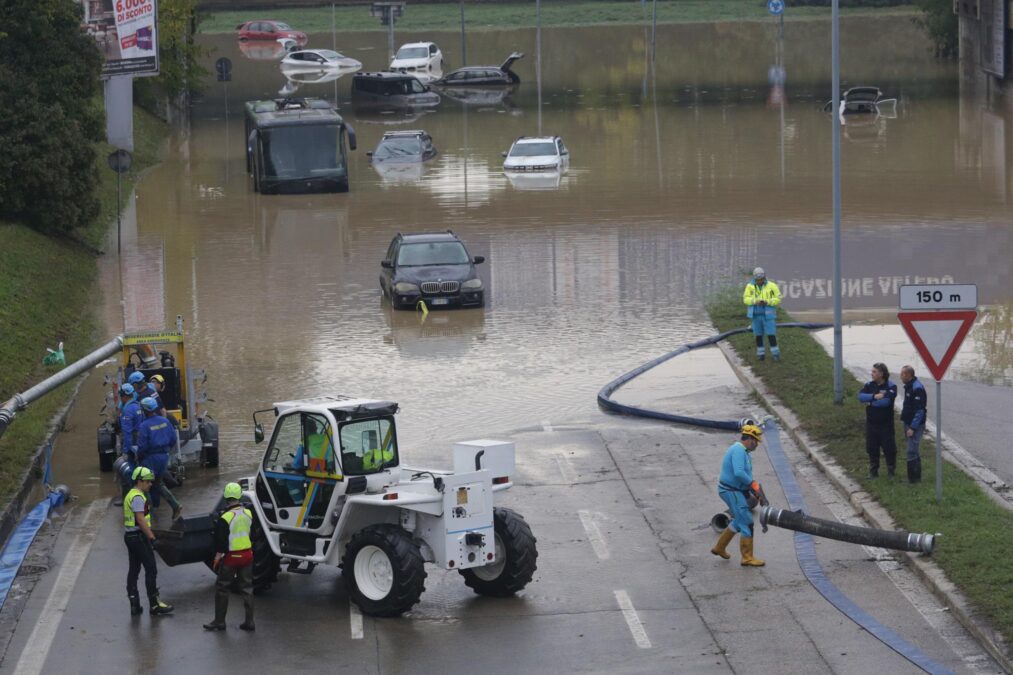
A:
(684, 176)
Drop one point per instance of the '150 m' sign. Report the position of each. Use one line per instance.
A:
(939, 296)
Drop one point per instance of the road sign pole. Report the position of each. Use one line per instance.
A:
(939, 441)
(835, 59)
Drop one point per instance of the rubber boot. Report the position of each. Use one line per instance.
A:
(248, 624)
(135, 605)
(914, 471)
(746, 547)
(776, 353)
(720, 549)
(891, 471)
(761, 353)
(221, 607)
(159, 608)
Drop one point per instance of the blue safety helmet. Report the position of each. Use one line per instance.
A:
(149, 404)
(126, 390)
(135, 377)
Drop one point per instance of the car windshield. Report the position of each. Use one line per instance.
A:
(533, 149)
(303, 151)
(329, 55)
(412, 53)
(282, 26)
(392, 148)
(432, 253)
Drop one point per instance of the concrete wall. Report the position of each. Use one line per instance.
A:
(216, 5)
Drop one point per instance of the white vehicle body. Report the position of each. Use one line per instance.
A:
(319, 59)
(537, 153)
(418, 57)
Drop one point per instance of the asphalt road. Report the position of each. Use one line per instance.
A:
(625, 584)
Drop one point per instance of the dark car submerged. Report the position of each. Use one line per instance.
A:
(435, 268)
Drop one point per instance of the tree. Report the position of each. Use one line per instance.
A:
(941, 24)
(49, 118)
(178, 54)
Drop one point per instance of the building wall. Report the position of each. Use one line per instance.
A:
(985, 46)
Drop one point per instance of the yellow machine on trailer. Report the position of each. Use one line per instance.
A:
(164, 353)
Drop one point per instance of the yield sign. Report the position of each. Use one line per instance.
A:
(937, 336)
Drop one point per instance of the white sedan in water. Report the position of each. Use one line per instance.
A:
(537, 153)
(319, 59)
(418, 58)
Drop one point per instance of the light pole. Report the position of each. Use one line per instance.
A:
(388, 13)
(119, 161)
(835, 58)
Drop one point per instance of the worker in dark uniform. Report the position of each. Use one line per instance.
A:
(734, 487)
(913, 417)
(140, 540)
(154, 440)
(878, 395)
(130, 420)
(233, 558)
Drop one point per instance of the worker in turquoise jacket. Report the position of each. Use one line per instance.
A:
(761, 298)
(734, 487)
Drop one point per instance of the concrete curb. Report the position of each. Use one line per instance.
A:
(14, 509)
(878, 517)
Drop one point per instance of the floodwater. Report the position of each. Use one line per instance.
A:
(686, 172)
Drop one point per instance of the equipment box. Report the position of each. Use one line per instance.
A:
(496, 456)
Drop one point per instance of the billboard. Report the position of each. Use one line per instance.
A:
(126, 33)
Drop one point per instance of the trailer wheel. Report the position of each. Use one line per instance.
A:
(516, 556)
(106, 447)
(384, 571)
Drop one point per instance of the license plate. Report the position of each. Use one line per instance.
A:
(439, 301)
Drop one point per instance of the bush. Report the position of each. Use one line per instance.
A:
(49, 72)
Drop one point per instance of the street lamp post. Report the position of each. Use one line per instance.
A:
(388, 13)
(835, 57)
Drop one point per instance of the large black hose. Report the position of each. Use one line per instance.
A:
(604, 396)
(800, 522)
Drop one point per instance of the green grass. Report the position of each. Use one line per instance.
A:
(447, 17)
(977, 533)
(48, 295)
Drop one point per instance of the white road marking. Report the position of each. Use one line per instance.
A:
(566, 469)
(546, 426)
(355, 620)
(632, 620)
(601, 549)
(33, 657)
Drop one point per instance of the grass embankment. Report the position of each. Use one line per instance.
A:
(47, 295)
(977, 533)
(447, 17)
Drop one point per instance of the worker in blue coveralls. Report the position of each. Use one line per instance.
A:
(913, 417)
(136, 380)
(154, 440)
(878, 395)
(761, 298)
(130, 420)
(735, 487)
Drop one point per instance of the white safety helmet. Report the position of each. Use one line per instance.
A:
(758, 273)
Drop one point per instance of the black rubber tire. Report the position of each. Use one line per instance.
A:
(406, 561)
(266, 565)
(106, 440)
(521, 557)
(211, 456)
(105, 461)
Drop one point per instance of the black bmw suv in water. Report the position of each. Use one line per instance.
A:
(432, 267)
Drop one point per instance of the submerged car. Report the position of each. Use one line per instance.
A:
(862, 104)
(537, 153)
(403, 147)
(391, 90)
(435, 268)
(269, 29)
(319, 59)
(472, 76)
(417, 57)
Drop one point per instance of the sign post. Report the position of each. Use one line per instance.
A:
(937, 318)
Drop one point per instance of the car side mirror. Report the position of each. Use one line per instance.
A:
(504, 154)
(369, 153)
(565, 152)
(386, 264)
(352, 142)
(258, 433)
(479, 259)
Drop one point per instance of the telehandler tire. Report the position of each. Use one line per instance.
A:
(516, 557)
(383, 570)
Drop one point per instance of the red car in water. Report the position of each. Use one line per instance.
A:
(268, 29)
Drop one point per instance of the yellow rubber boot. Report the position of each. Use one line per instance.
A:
(723, 541)
(746, 547)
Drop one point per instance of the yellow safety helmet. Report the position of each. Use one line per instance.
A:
(233, 491)
(157, 378)
(142, 473)
(752, 431)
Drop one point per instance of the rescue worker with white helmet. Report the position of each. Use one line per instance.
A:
(735, 487)
(761, 298)
(140, 539)
(233, 558)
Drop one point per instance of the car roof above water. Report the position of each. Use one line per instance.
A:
(285, 112)
(422, 237)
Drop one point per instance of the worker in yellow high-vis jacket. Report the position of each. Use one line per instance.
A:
(233, 558)
(762, 298)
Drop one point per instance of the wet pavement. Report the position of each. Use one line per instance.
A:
(685, 173)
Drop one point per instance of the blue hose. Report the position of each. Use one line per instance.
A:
(805, 549)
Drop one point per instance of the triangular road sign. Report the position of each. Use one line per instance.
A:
(937, 336)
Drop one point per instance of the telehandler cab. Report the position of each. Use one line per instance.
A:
(332, 490)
